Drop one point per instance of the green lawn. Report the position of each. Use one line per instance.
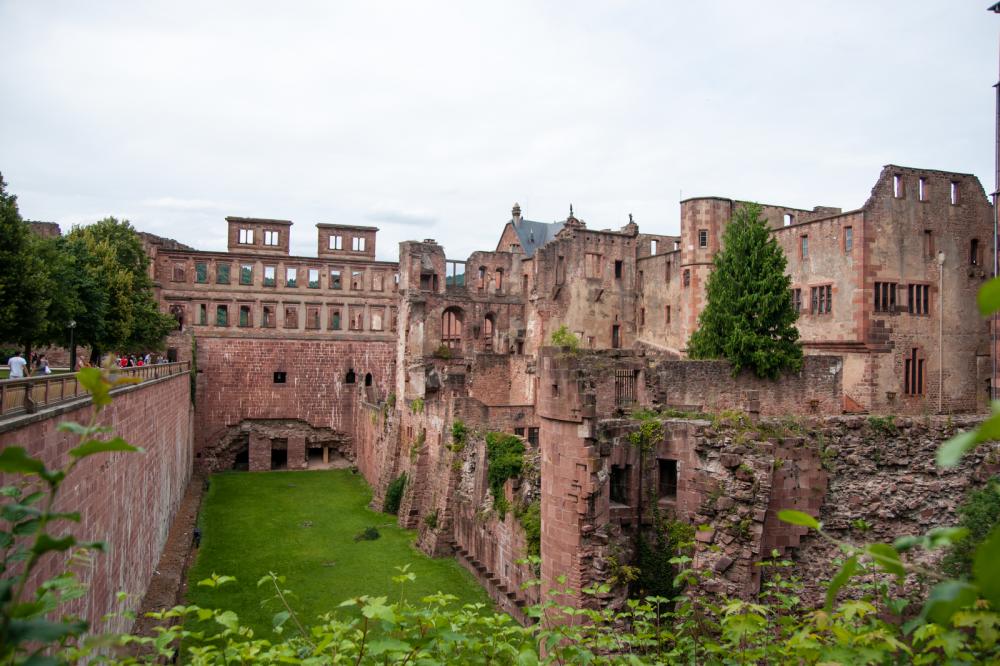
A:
(301, 525)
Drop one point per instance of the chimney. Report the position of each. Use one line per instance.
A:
(515, 213)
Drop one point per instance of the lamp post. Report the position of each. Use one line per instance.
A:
(72, 346)
(940, 260)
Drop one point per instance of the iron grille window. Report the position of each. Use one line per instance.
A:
(625, 382)
(913, 371)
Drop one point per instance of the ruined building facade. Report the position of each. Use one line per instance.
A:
(303, 358)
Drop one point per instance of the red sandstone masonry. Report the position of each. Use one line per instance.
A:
(126, 500)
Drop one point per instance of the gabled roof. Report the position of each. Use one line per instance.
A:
(533, 234)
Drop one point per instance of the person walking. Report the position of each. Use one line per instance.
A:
(16, 363)
(43, 366)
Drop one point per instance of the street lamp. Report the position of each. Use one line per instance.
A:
(940, 260)
(72, 346)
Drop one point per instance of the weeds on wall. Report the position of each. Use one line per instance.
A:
(504, 460)
(656, 553)
(394, 494)
(431, 520)
(459, 434)
(565, 338)
(530, 518)
(443, 352)
(980, 514)
(417, 406)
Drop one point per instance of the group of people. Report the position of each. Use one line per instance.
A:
(133, 361)
(38, 365)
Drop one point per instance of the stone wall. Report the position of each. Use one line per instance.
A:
(126, 500)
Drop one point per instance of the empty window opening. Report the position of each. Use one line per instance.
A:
(377, 317)
(652, 247)
(335, 279)
(368, 379)
(618, 269)
(222, 273)
(703, 238)
(336, 242)
(954, 193)
(291, 317)
(619, 485)
(349, 378)
(822, 299)
(357, 281)
(677, 245)
(357, 318)
(201, 272)
(246, 273)
(687, 277)
(524, 283)
(642, 316)
(378, 281)
(848, 239)
(789, 219)
(271, 237)
(897, 186)
(222, 315)
(451, 328)
(358, 243)
(241, 463)
(616, 341)
(928, 244)
(267, 317)
(245, 316)
(246, 236)
(555, 390)
(922, 189)
(668, 479)
(279, 377)
(481, 284)
(668, 314)
(498, 278)
(312, 318)
(974, 257)
(592, 265)
(913, 371)
(314, 278)
(335, 320)
(269, 276)
(639, 280)
(202, 314)
(885, 297)
(918, 299)
(291, 275)
(489, 324)
(171, 354)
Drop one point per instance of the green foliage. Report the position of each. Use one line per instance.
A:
(563, 337)
(370, 533)
(883, 425)
(394, 494)
(649, 433)
(459, 434)
(749, 319)
(417, 406)
(530, 517)
(443, 352)
(391, 400)
(979, 514)
(504, 460)
(655, 557)
(431, 519)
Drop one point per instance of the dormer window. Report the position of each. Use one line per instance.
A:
(271, 238)
(246, 236)
(336, 242)
(358, 243)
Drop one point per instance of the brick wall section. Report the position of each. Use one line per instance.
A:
(126, 500)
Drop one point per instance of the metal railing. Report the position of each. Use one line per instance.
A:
(25, 396)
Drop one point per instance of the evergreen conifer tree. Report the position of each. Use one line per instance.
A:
(749, 319)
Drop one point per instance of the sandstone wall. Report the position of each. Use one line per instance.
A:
(126, 500)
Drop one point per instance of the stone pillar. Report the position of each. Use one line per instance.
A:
(297, 452)
(260, 453)
(326, 455)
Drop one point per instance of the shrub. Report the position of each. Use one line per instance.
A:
(530, 517)
(368, 534)
(458, 436)
(505, 459)
(394, 494)
(656, 573)
(980, 513)
(431, 519)
(417, 406)
(563, 337)
(443, 352)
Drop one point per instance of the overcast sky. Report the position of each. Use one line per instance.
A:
(429, 120)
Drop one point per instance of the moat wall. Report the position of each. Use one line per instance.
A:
(125, 499)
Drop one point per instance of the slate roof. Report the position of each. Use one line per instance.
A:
(533, 234)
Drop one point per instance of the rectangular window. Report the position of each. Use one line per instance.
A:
(267, 316)
(954, 193)
(358, 243)
(897, 186)
(498, 279)
(314, 278)
(885, 297)
(639, 279)
(533, 436)
(666, 269)
(922, 189)
(687, 277)
(200, 272)
(271, 238)
(280, 377)
(642, 316)
(244, 316)
(270, 273)
(913, 373)
(357, 281)
(619, 485)
(703, 238)
(378, 314)
(378, 281)
(524, 284)
(618, 269)
(848, 239)
(222, 273)
(291, 316)
(246, 273)
(668, 479)
(291, 277)
(336, 242)
(616, 339)
(652, 248)
(822, 299)
(335, 319)
(797, 300)
(179, 273)
(788, 219)
(560, 269)
(202, 314)
(222, 315)
(246, 236)
(392, 318)
(336, 281)
(918, 298)
(974, 257)
(357, 317)
(668, 314)
(928, 244)
(804, 248)
(592, 265)
(519, 432)
(312, 318)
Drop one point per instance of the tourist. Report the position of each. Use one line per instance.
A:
(16, 364)
(43, 366)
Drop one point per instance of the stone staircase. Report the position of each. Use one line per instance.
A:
(507, 599)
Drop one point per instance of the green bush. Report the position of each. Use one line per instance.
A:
(656, 572)
(979, 513)
(563, 337)
(431, 519)
(368, 534)
(505, 460)
(459, 433)
(394, 494)
(530, 517)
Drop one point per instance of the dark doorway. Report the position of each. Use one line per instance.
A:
(241, 463)
(350, 378)
(368, 379)
(279, 458)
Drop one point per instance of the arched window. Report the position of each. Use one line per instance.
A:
(368, 379)
(489, 325)
(451, 328)
(349, 379)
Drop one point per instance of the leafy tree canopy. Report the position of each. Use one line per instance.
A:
(749, 319)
